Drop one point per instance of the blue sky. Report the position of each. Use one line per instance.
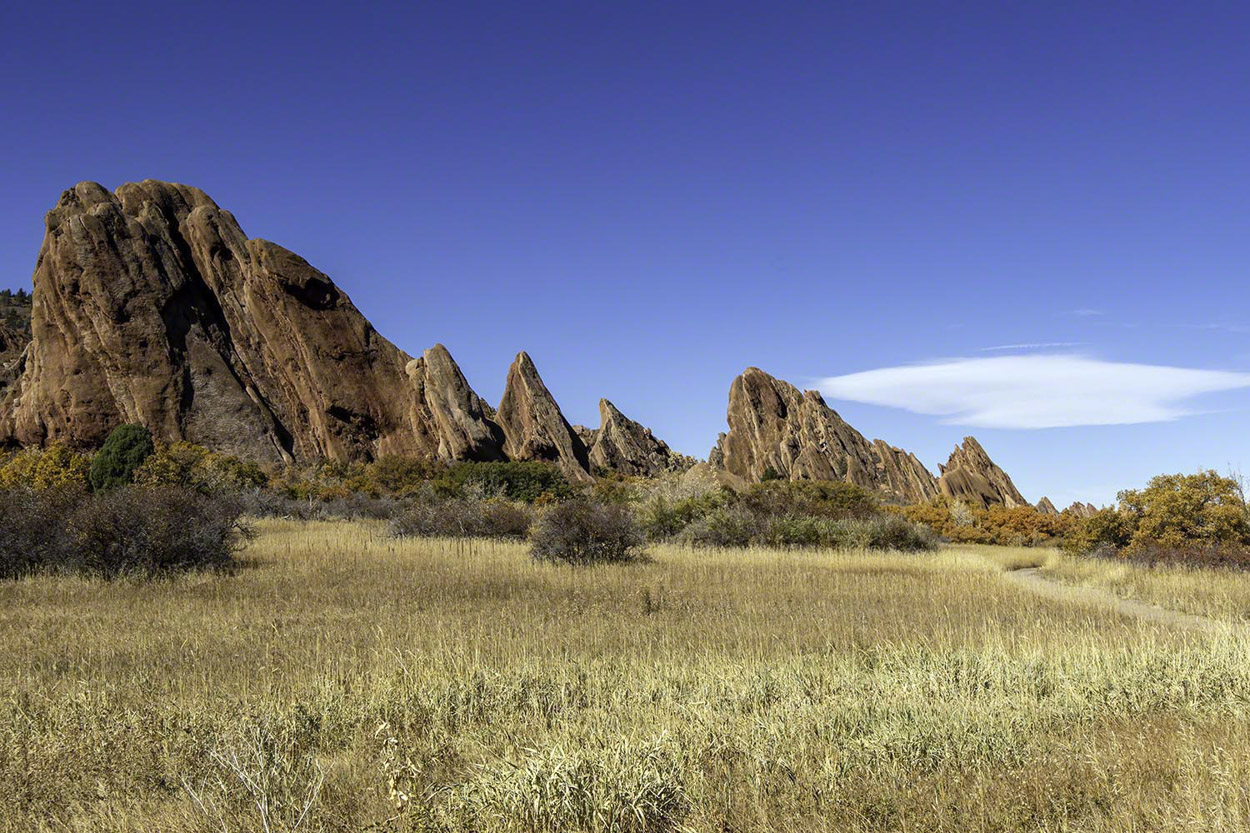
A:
(649, 197)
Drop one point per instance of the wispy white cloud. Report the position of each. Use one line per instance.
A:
(1086, 312)
(1035, 391)
(1041, 345)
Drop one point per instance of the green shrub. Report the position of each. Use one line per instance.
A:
(811, 498)
(524, 481)
(123, 452)
(464, 518)
(583, 532)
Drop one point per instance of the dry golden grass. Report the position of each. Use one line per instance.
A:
(345, 681)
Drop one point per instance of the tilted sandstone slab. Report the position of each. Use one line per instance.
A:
(533, 426)
(970, 475)
(151, 305)
(775, 429)
(625, 446)
(454, 417)
(1045, 507)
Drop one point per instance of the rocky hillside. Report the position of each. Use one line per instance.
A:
(152, 305)
(775, 430)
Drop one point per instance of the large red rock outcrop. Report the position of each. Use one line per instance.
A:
(971, 476)
(151, 305)
(533, 426)
(775, 429)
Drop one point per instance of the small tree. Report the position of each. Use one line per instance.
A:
(123, 452)
(1184, 510)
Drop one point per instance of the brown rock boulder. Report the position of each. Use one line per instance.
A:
(773, 427)
(151, 305)
(533, 426)
(627, 447)
(970, 475)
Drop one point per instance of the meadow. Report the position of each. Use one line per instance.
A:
(342, 680)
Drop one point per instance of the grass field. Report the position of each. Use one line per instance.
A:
(1221, 595)
(345, 681)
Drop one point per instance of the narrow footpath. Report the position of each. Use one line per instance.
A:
(1030, 579)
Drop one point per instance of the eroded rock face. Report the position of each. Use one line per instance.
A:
(13, 344)
(971, 476)
(151, 305)
(774, 428)
(624, 446)
(1045, 507)
(1082, 510)
(533, 426)
(456, 419)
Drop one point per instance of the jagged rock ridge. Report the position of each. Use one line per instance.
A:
(971, 476)
(776, 429)
(1045, 507)
(625, 446)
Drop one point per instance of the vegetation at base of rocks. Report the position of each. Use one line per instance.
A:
(582, 532)
(125, 450)
(194, 467)
(127, 531)
(464, 517)
(781, 513)
(1199, 518)
(56, 467)
(961, 523)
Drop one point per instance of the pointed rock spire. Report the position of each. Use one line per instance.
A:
(971, 475)
(624, 446)
(533, 426)
(449, 410)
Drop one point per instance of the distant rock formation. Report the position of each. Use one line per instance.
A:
(151, 305)
(624, 446)
(1082, 510)
(971, 476)
(1045, 507)
(533, 426)
(774, 429)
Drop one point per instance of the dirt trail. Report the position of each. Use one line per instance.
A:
(1032, 581)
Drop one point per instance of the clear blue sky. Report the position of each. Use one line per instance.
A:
(650, 197)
